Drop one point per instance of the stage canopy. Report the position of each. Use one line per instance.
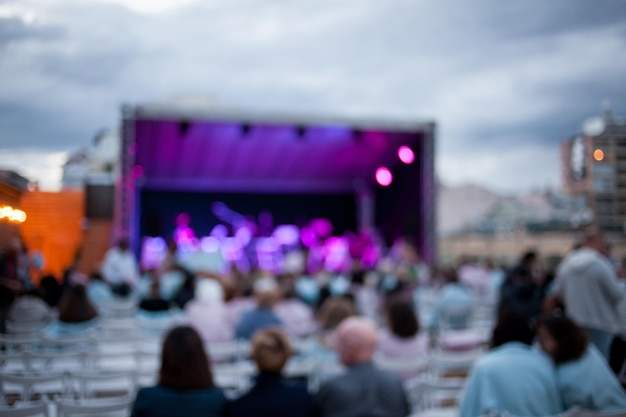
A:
(169, 149)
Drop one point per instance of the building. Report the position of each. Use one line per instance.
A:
(12, 187)
(594, 171)
(96, 165)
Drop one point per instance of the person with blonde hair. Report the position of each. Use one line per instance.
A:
(272, 395)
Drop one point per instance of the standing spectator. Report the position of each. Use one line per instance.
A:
(272, 395)
(119, 268)
(363, 390)
(511, 377)
(588, 285)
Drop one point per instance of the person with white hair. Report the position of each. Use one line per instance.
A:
(267, 295)
(363, 390)
(207, 314)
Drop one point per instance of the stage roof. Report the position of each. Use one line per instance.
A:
(178, 149)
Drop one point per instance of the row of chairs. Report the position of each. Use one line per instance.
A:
(69, 408)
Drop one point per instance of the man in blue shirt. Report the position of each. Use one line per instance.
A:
(266, 293)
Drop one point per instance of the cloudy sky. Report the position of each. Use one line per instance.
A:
(505, 81)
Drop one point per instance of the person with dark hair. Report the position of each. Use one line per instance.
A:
(272, 395)
(511, 377)
(576, 360)
(187, 290)
(402, 337)
(185, 387)
(51, 290)
(154, 303)
(522, 289)
(76, 313)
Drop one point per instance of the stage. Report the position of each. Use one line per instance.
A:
(228, 169)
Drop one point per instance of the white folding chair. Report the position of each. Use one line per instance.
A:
(450, 363)
(230, 351)
(433, 395)
(404, 367)
(26, 327)
(20, 342)
(119, 309)
(98, 383)
(454, 317)
(234, 378)
(62, 360)
(83, 340)
(49, 384)
(95, 408)
(25, 410)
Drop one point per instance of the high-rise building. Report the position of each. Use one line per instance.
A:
(594, 171)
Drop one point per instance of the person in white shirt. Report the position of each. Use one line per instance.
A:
(120, 269)
(588, 285)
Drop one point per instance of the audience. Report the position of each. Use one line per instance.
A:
(583, 376)
(272, 395)
(76, 313)
(587, 283)
(522, 288)
(453, 306)
(207, 314)
(98, 291)
(511, 377)
(120, 268)
(154, 303)
(266, 294)
(402, 338)
(29, 308)
(51, 290)
(185, 387)
(333, 311)
(363, 390)
(297, 316)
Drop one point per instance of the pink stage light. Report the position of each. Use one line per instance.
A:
(137, 171)
(406, 155)
(383, 176)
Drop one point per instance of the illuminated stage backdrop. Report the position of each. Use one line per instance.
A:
(294, 167)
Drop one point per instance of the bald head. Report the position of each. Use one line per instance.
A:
(357, 338)
(594, 239)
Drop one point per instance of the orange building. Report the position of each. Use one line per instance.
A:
(54, 227)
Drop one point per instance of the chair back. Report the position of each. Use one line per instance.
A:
(95, 408)
(25, 410)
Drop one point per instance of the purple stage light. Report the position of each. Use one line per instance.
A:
(383, 176)
(287, 234)
(209, 244)
(406, 155)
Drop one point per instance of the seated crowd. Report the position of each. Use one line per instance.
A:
(528, 367)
